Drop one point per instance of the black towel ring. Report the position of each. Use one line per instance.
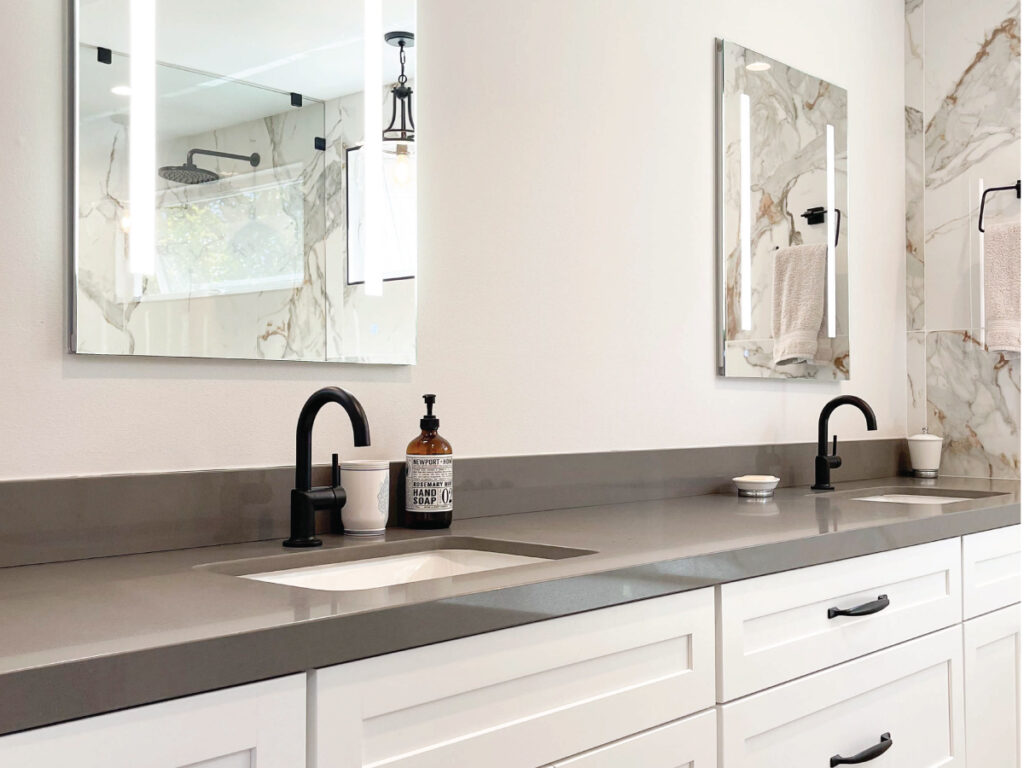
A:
(981, 213)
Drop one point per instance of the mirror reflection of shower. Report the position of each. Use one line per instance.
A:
(190, 173)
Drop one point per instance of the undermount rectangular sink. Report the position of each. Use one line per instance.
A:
(395, 569)
(906, 498)
(389, 564)
(909, 494)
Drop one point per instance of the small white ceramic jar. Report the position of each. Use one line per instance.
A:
(925, 454)
(367, 491)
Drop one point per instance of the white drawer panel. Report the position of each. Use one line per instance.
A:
(991, 685)
(991, 570)
(912, 692)
(777, 628)
(525, 696)
(689, 743)
(260, 724)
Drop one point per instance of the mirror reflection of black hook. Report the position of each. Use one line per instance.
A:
(816, 215)
(981, 213)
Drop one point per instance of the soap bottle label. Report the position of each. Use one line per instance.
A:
(428, 483)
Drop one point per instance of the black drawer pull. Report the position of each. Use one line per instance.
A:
(861, 610)
(868, 754)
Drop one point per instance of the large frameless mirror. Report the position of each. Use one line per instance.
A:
(782, 218)
(237, 193)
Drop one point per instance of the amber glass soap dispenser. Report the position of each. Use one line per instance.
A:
(428, 475)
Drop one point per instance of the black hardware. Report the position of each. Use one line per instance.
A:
(320, 143)
(981, 213)
(104, 56)
(823, 462)
(401, 94)
(296, 99)
(867, 755)
(253, 159)
(816, 215)
(306, 500)
(875, 606)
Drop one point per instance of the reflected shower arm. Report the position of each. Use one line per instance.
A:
(253, 159)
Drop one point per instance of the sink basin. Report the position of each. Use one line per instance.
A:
(907, 498)
(365, 566)
(909, 494)
(395, 569)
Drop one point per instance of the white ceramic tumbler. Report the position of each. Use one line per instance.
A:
(925, 454)
(367, 491)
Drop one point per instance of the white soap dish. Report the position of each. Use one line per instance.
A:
(756, 486)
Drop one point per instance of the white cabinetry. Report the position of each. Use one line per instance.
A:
(991, 570)
(779, 627)
(522, 697)
(688, 743)
(262, 725)
(905, 703)
(992, 689)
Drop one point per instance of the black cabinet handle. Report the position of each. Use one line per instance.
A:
(861, 610)
(870, 753)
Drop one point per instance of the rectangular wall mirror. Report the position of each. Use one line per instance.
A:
(782, 219)
(236, 194)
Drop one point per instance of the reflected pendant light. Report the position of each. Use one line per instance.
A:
(401, 131)
(401, 128)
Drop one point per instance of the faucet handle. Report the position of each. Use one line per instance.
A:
(835, 444)
(335, 471)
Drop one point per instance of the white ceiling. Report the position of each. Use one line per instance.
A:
(313, 47)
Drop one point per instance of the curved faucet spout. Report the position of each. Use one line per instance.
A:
(831, 405)
(304, 429)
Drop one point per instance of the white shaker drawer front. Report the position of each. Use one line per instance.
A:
(779, 627)
(521, 697)
(689, 743)
(991, 684)
(991, 570)
(262, 724)
(898, 708)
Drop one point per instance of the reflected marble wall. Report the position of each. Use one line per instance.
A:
(789, 111)
(309, 313)
(963, 133)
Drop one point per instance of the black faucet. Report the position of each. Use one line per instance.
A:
(306, 500)
(823, 463)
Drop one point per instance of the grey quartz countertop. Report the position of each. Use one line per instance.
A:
(92, 636)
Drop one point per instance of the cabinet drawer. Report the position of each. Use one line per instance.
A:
(521, 697)
(777, 628)
(991, 570)
(912, 692)
(991, 682)
(263, 724)
(689, 743)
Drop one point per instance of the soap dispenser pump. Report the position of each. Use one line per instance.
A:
(428, 475)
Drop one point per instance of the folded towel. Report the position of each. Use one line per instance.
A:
(798, 305)
(1002, 287)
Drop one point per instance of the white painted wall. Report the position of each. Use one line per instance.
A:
(567, 279)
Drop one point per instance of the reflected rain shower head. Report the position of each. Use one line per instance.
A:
(190, 173)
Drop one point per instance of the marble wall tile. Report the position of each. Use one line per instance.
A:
(915, 220)
(752, 358)
(974, 403)
(963, 134)
(917, 372)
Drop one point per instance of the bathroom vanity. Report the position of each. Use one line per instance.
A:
(705, 631)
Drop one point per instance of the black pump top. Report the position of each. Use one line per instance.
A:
(430, 421)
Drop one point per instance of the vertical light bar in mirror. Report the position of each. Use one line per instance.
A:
(373, 156)
(830, 232)
(142, 138)
(981, 264)
(745, 266)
